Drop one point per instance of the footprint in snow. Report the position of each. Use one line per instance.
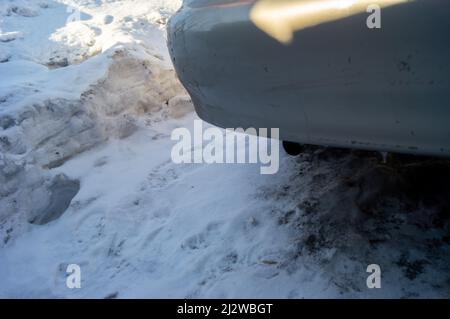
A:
(204, 238)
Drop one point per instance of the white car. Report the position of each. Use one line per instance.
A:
(362, 74)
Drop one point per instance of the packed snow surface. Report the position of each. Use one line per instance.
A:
(88, 101)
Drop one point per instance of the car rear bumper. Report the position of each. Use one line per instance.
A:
(336, 83)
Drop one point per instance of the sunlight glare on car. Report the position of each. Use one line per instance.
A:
(281, 18)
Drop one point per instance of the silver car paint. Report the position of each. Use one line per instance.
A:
(337, 83)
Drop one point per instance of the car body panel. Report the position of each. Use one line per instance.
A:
(336, 83)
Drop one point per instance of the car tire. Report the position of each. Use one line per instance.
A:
(292, 148)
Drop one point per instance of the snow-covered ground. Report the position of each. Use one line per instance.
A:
(86, 111)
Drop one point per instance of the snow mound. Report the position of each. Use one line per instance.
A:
(71, 31)
(44, 134)
(51, 110)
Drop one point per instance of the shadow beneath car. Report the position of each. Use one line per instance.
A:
(347, 209)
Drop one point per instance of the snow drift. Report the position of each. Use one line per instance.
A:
(49, 115)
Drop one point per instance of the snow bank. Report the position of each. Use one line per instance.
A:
(85, 82)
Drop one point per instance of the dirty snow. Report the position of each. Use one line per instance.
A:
(86, 111)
